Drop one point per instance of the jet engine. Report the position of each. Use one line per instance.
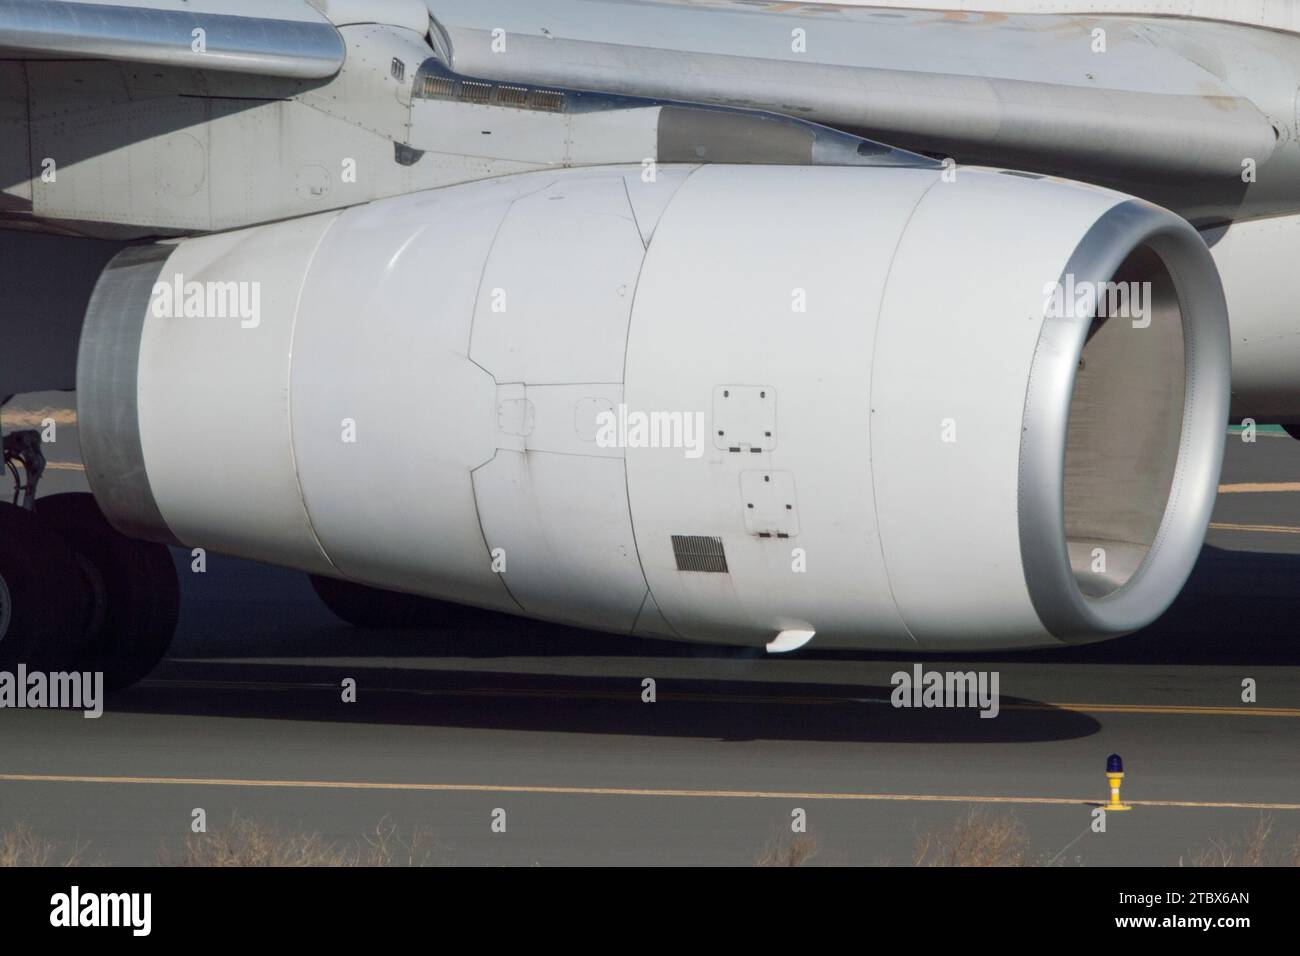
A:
(889, 408)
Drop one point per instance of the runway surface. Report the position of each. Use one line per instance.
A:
(548, 724)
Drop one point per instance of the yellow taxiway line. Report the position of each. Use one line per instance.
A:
(1258, 487)
(1260, 528)
(1163, 709)
(621, 791)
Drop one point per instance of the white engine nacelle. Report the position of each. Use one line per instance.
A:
(709, 403)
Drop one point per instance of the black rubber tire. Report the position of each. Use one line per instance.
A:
(375, 608)
(48, 597)
(1293, 430)
(139, 590)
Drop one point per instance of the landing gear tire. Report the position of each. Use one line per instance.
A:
(44, 599)
(134, 584)
(368, 607)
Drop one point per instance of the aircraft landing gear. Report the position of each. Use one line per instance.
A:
(75, 593)
(44, 605)
(135, 594)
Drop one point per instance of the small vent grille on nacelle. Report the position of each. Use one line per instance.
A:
(438, 86)
(512, 96)
(550, 100)
(476, 91)
(696, 552)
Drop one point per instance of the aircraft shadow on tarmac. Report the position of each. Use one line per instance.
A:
(1238, 607)
(498, 700)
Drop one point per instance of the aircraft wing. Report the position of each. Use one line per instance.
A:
(277, 38)
(1152, 105)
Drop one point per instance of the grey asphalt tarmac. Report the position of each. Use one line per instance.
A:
(547, 724)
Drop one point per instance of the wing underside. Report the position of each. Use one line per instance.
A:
(1163, 107)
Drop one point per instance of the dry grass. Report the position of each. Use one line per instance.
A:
(788, 850)
(251, 843)
(1252, 847)
(976, 839)
(21, 846)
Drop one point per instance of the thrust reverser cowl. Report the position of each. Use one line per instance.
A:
(888, 428)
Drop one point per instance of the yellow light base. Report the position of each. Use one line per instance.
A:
(1114, 804)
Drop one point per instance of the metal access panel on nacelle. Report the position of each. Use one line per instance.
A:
(561, 536)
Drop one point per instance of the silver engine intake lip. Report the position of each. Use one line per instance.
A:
(1167, 554)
